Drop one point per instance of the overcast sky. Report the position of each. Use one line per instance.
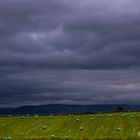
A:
(69, 52)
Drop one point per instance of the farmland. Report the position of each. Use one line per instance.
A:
(88, 126)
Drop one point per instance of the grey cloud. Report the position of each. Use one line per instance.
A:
(54, 48)
(70, 86)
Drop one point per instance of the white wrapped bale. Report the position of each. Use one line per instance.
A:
(7, 138)
(44, 127)
(36, 116)
(77, 119)
(90, 118)
(118, 129)
(53, 137)
(66, 138)
(81, 128)
(50, 117)
(131, 116)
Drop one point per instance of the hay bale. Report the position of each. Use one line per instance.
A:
(36, 116)
(7, 138)
(77, 119)
(81, 128)
(131, 116)
(50, 117)
(53, 137)
(44, 127)
(66, 138)
(118, 129)
(90, 118)
(99, 115)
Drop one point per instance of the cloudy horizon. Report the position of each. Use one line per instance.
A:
(69, 52)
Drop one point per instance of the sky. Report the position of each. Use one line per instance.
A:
(69, 52)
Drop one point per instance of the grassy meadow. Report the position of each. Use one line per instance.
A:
(89, 126)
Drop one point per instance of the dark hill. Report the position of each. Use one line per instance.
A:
(64, 109)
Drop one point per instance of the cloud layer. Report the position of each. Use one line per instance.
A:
(78, 51)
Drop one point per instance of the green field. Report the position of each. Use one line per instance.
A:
(93, 126)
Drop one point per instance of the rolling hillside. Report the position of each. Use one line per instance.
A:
(64, 109)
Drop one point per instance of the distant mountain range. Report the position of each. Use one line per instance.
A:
(65, 109)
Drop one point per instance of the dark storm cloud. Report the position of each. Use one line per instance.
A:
(76, 34)
(69, 86)
(43, 42)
